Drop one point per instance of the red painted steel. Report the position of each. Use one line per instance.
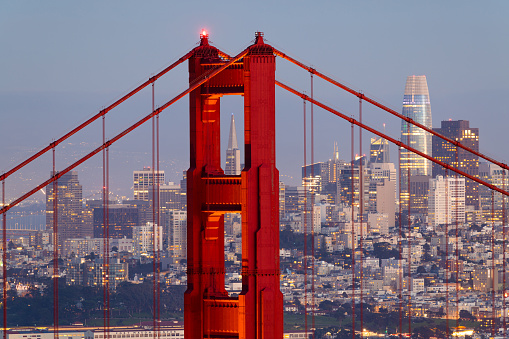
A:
(352, 182)
(305, 258)
(209, 311)
(4, 266)
(55, 253)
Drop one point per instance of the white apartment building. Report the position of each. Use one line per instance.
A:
(144, 239)
(446, 202)
(177, 234)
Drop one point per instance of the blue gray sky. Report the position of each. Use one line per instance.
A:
(63, 61)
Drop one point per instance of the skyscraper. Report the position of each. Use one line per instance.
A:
(446, 201)
(69, 206)
(459, 130)
(379, 151)
(232, 153)
(143, 180)
(416, 105)
(177, 234)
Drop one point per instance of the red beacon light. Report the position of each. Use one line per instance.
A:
(204, 38)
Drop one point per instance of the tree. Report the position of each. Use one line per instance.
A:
(384, 250)
(11, 245)
(421, 269)
(327, 305)
(465, 315)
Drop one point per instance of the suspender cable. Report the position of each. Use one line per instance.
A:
(447, 211)
(493, 311)
(312, 213)
(353, 230)
(55, 252)
(4, 263)
(400, 248)
(306, 203)
(456, 264)
(158, 223)
(361, 215)
(504, 256)
(155, 182)
(105, 236)
(107, 239)
(409, 239)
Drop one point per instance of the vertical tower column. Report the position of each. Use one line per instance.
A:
(261, 302)
(258, 311)
(205, 229)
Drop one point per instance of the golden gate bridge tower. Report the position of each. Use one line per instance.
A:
(258, 311)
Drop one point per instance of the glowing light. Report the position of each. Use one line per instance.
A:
(204, 33)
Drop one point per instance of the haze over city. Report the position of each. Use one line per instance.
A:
(64, 62)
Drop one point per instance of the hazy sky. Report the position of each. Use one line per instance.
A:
(63, 61)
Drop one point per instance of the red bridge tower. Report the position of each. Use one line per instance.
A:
(209, 311)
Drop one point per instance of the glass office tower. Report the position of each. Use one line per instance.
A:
(416, 105)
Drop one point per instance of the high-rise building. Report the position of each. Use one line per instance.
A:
(294, 199)
(69, 200)
(146, 241)
(416, 105)
(169, 197)
(282, 187)
(483, 277)
(419, 194)
(382, 190)
(315, 176)
(177, 234)
(446, 203)
(345, 183)
(493, 204)
(143, 180)
(459, 130)
(121, 220)
(232, 152)
(385, 200)
(379, 151)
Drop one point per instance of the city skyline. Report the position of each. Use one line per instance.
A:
(341, 228)
(460, 87)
